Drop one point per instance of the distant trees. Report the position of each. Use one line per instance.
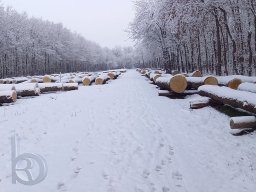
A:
(30, 46)
(213, 36)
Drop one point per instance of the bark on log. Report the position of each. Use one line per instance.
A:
(243, 122)
(102, 79)
(227, 96)
(177, 83)
(196, 82)
(8, 96)
(27, 90)
(250, 87)
(200, 103)
(49, 79)
(88, 80)
(69, 86)
(50, 87)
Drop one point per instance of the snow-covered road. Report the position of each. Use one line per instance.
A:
(122, 137)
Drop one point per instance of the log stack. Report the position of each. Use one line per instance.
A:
(27, 90)
(50, 87)
(8, 96)
(176, 84)
(234, 98)
(69, 86)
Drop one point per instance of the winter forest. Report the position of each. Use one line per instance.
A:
(213, 36)
(31, 46)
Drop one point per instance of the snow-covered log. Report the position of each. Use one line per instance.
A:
(177, 83)
(195, 82)
(250, 87)
(19, 80)
(200, 103)
(7, 87)
(8, 96)
(27, 90)
(112, 75)
(234, 98)
(243, 122)
(229, 81)
(75, 80)
(88, 80)
(50, 87)
(69, 86)
(49, 79)
(102, 79)
(196, 73)
(154, 77)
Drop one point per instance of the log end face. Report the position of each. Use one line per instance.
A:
(211, 81)
(197, 73)
(178, 83)
(234, 84)
(86, 82)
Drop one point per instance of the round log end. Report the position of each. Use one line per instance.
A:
(197, 73)
(234, 84)
(86, 82)
(111, 75)
(47, 79)
(99, 81)
(178, 83)
(211, 81)
(14, 96)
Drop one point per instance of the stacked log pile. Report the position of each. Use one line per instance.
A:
(8, 96)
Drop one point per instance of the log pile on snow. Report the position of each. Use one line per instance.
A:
(102, 79)
(88, 80)
(27, 90)
(50, 87)
(196, 82)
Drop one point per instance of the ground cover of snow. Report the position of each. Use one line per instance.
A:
(123, 137)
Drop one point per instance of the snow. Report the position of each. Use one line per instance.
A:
(7, 87)
(5, 93)
(245, 119)
(47, 85)
(250, 87)
(123, 137)
(26, 86)
(226, 92)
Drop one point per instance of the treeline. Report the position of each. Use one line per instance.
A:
(217, 37)
(31, 46)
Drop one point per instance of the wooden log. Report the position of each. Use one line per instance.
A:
(154, 76)
(229, 81)
(27, 90)
(8, 96)
(50, 87)
(88, 80)
(171, 94)
(69, 86)
(112, 75)
(177, 83)
(200, 103)
(195, 82)
(250, 87)
(49, 79)
(196, 73)
(243, 122)
(102, 79)
(234, 98)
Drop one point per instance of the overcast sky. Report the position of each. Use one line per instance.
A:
(102, 21)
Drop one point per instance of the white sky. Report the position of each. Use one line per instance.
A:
(102, 21)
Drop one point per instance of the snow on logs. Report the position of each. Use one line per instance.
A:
(8, 96)
(234, 98)
(177, 83)
(229, 81)
(27, 89)
(196, 73)
(246, 122)
(50, 87)
(7, 87)
(196, 82)
(250, 87)
(101, 79)
(69, 86)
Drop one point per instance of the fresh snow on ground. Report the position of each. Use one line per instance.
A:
(123, 137)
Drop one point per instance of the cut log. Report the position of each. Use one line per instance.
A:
(229, 81)
(154, 76)
(7, 87)
(27, 90)
(88, 80)
(195, 82)
(196, 73)
(8, 96)
(200, 103)
(49, 79)
(50, 87)
(102, 79)
(70, 86)
(243, 122)
(250, 87)
(234, 98)
(177, 83)
(112, 75)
